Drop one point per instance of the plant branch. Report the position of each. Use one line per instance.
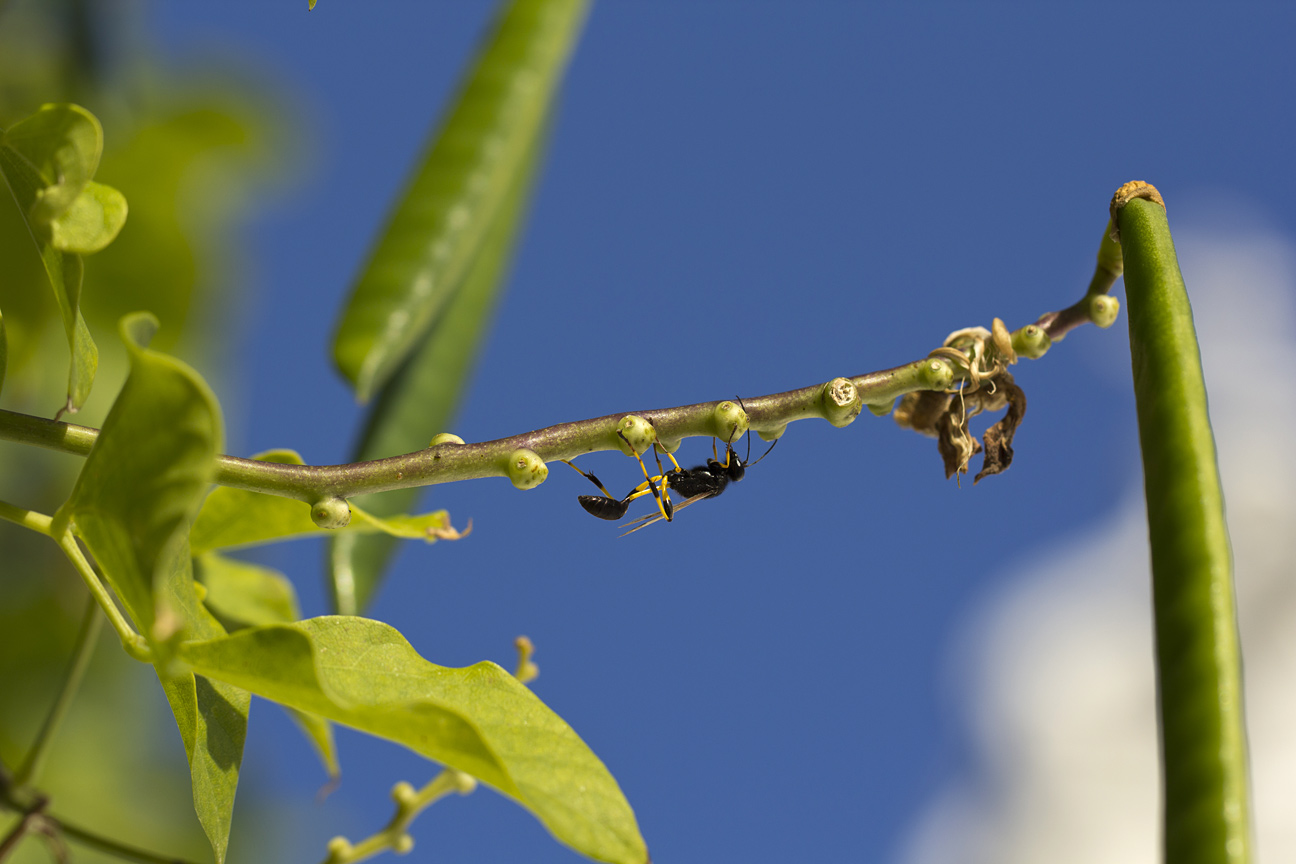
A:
(82, 651)
(38, 522)
(111, 847)
(521, 457)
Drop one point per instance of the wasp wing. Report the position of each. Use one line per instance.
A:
(645, 521)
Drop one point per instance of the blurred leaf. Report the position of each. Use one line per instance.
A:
(241, 594)
(237, 517)
(188, 169)
(91, 222)
(4, 352)
(63, 144)
(480, 719)
(24, 293)
(143, 482)
(439, 225)
(420, 401)
(64, 271)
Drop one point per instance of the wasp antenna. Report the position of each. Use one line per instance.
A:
(763, 455)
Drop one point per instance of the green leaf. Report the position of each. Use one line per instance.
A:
(245, 595)
(63, 144)
(421, 399)
(91, 222)
(212, 717)
(4, 352)
(1199, 665)
(436, 229)
(132, 506)
(241, 594)
(480, 719)
(64, 271)
(237, 517)
(144, 480)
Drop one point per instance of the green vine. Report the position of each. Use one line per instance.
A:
(522, 457)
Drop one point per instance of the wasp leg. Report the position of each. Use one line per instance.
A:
(604, 506)
(662, 497)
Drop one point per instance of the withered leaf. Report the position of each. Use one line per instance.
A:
(956, 446)
(922, 410)
(998, 438)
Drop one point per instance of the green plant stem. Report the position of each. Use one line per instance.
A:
(1203, 742)
(132, 642)
(1108, 270)
(38, 522)
(446, 463)
(111, 847)
(82, 651)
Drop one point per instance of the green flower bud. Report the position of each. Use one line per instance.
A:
(525, 469)
(730, 421)
(463, 783)
(331, 513)
(637, 432)
(881, 409)
(404, 794)
(446, 438)
(936, 373)
(1103, 310)
(339, 849)
(1031, 341)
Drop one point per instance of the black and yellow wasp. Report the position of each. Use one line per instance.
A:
(693, 484)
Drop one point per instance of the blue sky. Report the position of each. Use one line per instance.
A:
(740, 198)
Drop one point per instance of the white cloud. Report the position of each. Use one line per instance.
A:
(1058, 670)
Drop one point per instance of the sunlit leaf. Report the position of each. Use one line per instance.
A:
(421, 399)
(480, 719)
(132, 506)
(439, 224)
(144, 480)
(236, 517)
(212, 717)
